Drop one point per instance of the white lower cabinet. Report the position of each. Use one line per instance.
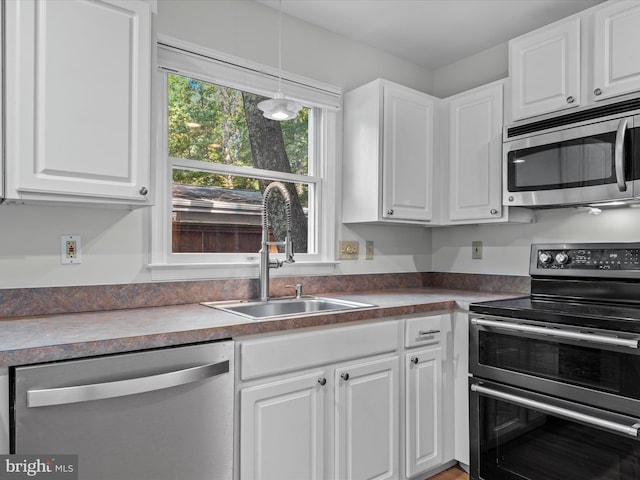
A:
(346, 402)
(460, 366)
(282, 428)
(366, 420)
(428, 395)
(423, 400)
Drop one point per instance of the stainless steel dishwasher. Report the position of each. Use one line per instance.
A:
(159, 415)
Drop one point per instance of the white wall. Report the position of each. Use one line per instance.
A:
(396, 249)
(506, 247)
(480, 69)
(114, 246)
(247, 29)
(115, 243)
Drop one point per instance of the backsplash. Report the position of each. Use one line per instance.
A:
(26, 302)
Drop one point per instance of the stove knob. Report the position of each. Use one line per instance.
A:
(545, 258)
(562, 258)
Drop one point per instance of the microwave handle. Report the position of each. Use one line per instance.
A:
(619, 155)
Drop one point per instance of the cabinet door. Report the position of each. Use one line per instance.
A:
(461, 386)
(79, 99)
(475, 154)
(544, 67)
(407, 154)
(282, 429)
(616, 61)
(424, 411)
(366, 420)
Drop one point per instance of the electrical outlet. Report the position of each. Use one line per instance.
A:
(369, 250)
(476, 250)
(348, 250)
(70, 249)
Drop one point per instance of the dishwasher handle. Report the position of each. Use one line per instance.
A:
(121, 388)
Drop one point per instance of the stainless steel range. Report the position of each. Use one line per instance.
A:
(555, 386)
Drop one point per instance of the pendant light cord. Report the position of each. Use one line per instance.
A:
(279, 45)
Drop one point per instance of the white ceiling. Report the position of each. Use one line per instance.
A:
(431, 33)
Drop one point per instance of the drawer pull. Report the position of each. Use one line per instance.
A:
(425, 333)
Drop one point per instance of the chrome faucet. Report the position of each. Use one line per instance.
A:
(265, 262)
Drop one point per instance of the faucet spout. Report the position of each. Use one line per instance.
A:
(265, 262)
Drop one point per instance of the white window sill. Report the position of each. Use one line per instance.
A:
(214, 271)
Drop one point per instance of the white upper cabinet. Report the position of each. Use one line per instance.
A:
(471, 136)
(475, 154)
(586, 58)
(616, 52)
(544, 68)
(78, 111)
(388, 154)
(407, 154)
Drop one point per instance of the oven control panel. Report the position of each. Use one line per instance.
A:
(586, 259)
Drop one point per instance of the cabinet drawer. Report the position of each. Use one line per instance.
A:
(295, 351)
(423, 331)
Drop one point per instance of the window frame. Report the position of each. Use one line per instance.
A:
(182, 58)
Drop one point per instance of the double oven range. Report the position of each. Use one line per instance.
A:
(555, 376)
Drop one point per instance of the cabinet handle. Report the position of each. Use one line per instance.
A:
(345, 376)
(424, 333)
(322, 381)
(493, 211)
(390, 211)
(143, 190)
(415, 360)
(597, 91)
(570, 99)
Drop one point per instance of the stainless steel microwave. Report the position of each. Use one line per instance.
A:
(582, 158)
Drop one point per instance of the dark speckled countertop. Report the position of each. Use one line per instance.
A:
(65, 336)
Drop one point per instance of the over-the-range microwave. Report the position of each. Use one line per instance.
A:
(582, 158)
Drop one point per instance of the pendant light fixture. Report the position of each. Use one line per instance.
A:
(279, 108)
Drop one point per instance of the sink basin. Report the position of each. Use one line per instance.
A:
(285, 307)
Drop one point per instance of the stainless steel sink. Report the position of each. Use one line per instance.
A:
(286, 307)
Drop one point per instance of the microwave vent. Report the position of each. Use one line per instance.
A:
(568, 119)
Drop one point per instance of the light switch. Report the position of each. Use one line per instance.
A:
(476, 250)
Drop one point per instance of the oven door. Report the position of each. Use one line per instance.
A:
(519, 435)
(600, 367)
(586, 164)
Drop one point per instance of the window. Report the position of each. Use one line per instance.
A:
(217, 153)
(223, 153)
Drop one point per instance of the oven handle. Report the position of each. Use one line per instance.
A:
(568, 334)
(630, 430)
(619, 155)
